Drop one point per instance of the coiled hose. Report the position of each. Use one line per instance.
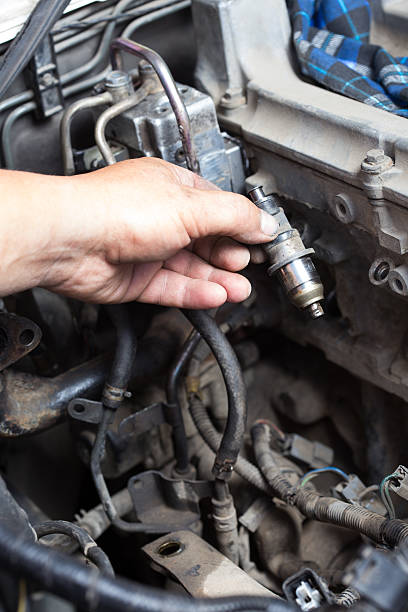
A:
(325, 509)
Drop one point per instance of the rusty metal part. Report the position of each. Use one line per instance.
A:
(200, 568)
(18, 337)
(29, 403)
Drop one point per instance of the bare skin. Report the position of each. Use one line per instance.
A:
(140, 230)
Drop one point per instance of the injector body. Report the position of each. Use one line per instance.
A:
(289, 259)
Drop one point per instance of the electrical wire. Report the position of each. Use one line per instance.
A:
(313, 473)
(385, 494)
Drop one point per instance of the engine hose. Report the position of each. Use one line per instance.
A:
(88, 546)
(324, 509)
(20, 51)
(88, 589)
(232, 439)
(97, 454)
(175, 413)
(125, 353)
(244, 468)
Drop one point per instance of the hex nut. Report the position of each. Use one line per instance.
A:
(343, 208)
(375, 156)
(233, 98)
(398, 280)
(380, 270)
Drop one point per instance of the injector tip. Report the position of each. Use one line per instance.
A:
(315, 310)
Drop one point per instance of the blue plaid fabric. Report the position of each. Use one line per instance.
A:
(331, 38)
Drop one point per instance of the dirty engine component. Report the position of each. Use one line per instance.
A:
(252, 457)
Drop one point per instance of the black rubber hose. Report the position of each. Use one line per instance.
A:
(90, 590)
(175, 415)
(20, 51)
(233, 436)
(87, 544)
(247, 470)
(324, 509)
(97, 454)
(125, 353)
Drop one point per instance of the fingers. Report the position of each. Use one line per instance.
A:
(219, 213)
(169, 288)
(237, 287)
(257, 255)
(222, 252)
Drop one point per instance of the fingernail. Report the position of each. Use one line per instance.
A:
(269, 225)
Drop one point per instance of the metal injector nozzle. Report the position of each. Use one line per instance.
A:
(289, 259)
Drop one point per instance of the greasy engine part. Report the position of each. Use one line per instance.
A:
(18, 337)
(289, 259)
(326, 465)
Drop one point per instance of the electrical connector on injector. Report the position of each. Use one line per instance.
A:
(307, 589)
(289, 259)
(356, 492)
(381, 578)
(399, 482)
(314, 454)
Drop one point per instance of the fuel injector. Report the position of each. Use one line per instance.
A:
(289, 259)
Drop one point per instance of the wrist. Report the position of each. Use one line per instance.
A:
(38, 217)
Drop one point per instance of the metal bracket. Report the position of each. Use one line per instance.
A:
(86, 411)
(200, 568)
(173, 502)
(18, 337)
(45, 80)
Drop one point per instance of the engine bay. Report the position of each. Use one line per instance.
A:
(251, 457)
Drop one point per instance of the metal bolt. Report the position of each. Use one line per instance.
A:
(117, 78)
(145, 67)
(47, 79)
(375, 156)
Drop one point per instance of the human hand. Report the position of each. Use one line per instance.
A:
(145, 230)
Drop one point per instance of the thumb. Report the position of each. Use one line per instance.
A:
(221, 213)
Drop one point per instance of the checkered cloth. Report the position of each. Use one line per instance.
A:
(331, 38)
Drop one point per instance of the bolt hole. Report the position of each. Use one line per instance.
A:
(183, 90)
(170, 548)
(398, 285)
(162, 109)
(79, 408)
(26, 337)
(180, 156)
(341, 210)
(381, 271)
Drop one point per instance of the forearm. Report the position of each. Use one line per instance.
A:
(39, 227)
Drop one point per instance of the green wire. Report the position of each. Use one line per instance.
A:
(385, 494)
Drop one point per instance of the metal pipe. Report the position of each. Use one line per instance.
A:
(76, 87)
(110, 113)
(8, 126)
(65, 127)
(163, 12)
(169, 86)
(26, 96)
